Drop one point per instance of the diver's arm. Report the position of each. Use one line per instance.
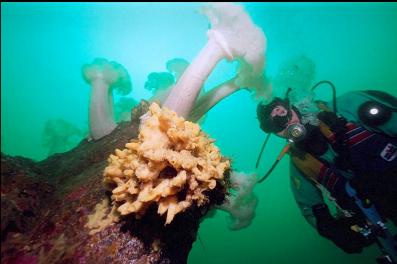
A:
(306, 194)
(311, 203)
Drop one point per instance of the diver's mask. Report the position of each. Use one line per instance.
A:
(279, 123)
(293, 132)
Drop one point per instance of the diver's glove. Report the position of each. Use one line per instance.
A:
(335, 123)
(340, 230)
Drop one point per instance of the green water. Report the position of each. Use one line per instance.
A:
(43, 47)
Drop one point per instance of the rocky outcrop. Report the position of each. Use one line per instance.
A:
(49, 210)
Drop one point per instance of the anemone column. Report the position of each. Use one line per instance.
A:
(184, 94)
(101, 119)
(232, 36)
(104, 76)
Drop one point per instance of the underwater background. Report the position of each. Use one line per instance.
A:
(44, 46)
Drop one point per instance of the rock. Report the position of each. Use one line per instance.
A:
(45, 207)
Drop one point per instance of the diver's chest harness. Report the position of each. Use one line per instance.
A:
(359, 151)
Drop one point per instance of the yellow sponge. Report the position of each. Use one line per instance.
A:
(171, 156)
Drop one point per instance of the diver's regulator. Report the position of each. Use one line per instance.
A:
(295, 132)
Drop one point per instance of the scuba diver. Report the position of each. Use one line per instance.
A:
(348, 153)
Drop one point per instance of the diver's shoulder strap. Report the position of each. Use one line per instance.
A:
(317, 171)
(331, 125)
(308, 165)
